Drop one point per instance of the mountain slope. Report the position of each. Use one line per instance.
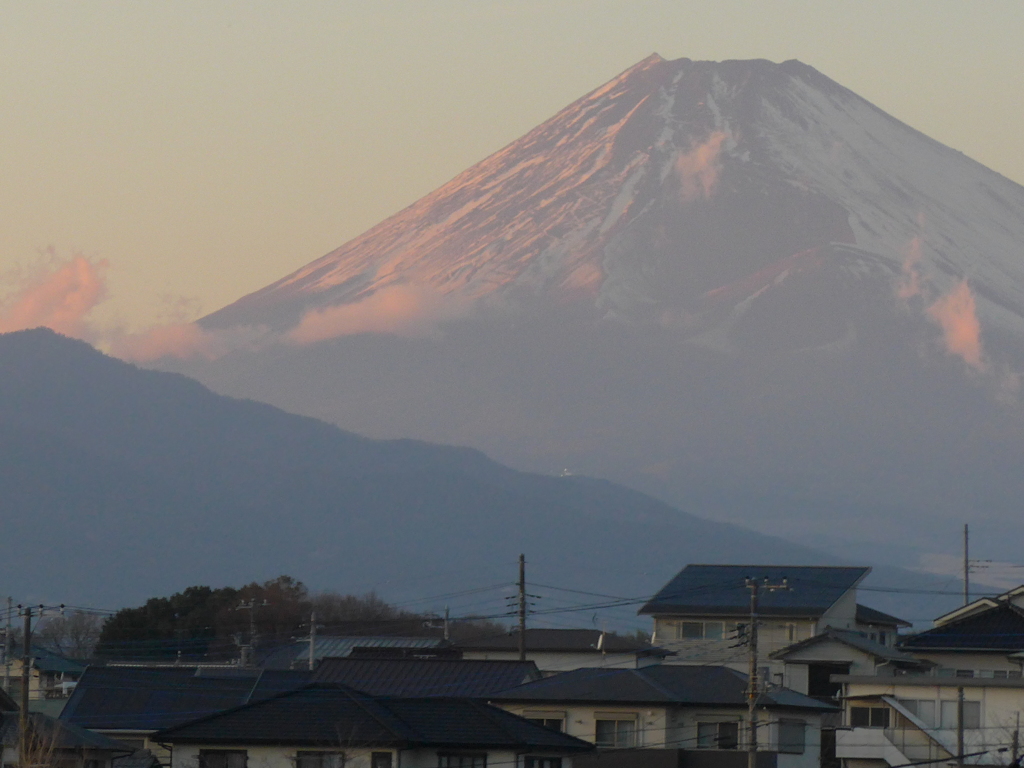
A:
(735, 285)
(120, 483)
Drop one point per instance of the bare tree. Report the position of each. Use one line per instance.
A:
(72, 634)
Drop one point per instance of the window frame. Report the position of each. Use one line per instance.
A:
(321, 754)
(798, 746)
(445, 759)
(205, 753)
(617, 742)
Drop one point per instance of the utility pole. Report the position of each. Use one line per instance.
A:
(1016, 741)
(522, 607)
(246, 651)
(312, 640)
(967, 572)
(26, 665)
(447, 631)
(753, 688)
(8, 646)
(960, 725)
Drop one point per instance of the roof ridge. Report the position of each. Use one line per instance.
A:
(352, 694)
(642, 674)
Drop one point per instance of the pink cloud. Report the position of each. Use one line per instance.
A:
(956, 314)
(699, 168)
(182, 340)
(403, 310)
(58, 298)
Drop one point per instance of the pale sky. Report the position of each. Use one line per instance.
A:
(204, 149)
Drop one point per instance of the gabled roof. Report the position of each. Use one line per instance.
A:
(661, 684)
(296, 655)
(1014, 596)
(148, 698)
(1000, 628)
(325, 715)
(853, 640)
(426, 677)
(57, 734)
(559, 640)
(720, 590)
(46, 660)
(867, 615)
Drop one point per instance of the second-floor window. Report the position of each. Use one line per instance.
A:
(615, 733)
(222, 758)
(718, 735)
(869, 717)
(319, 759)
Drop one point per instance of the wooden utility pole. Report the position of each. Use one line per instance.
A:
(960, 723)
(753, 688)
(522, 607)
(1016, 741)
(8, 646)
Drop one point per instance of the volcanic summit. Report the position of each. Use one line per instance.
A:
(737, 285)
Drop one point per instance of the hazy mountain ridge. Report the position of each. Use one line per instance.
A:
(121, 483)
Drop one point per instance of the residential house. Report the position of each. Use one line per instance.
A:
(131, 703)
(970, 676)
(673, 714)
(52, 677)
(561, 650)
(329, 726)
(418, 678)
(703, 613)
(56, 744)
(810, 665)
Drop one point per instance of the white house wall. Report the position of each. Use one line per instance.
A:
(187, 756)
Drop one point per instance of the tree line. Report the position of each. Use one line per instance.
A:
(204, 623)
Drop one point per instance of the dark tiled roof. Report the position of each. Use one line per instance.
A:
(426, 677)
(57, 734)
(324, 715)
(151, 698)
(867, 615)
(997, 629)
(660, 684)
(565, 640)
(720, 590)
(852, 639)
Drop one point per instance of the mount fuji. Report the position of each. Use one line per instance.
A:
(735, 285)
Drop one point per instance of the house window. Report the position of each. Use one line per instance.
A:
(542, 762)
(319, 759)
(923, 709)
(791, 736)
(554, 723)
(461, 760)
(222, 758)
(964, 673)
(700, 630)
(718, 735)
(869, 717)
(691, 630)
(972, 714)
(615, 733)
(380, 760)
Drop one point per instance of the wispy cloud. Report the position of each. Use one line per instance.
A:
(57, 295)
(956, 314)
(699, 169)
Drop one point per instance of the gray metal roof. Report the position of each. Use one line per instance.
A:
(148, 698)
(853, 640)
(663, 684)
(559, 640)
(427, 677)
(296, 655)
(323, 715)
(866, 615)
(720, 590)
